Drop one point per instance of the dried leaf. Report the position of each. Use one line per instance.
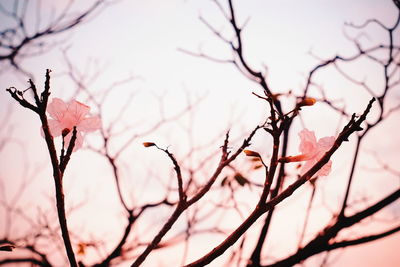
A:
(241, 179)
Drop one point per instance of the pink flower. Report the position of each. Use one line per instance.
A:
(66, 116)
(312, 151)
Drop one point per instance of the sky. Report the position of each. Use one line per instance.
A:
(141, 44)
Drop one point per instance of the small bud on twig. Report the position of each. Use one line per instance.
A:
(309, 101)
(251, 153)
(148, 144)
(65, 132)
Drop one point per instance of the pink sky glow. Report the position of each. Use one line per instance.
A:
(128, 62)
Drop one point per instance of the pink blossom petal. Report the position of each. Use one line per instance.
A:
(326, 143)
(325, 170)
(55, 127)
(77, 111)
(69, 121)
(57, 109)
(308, 142)
(67, 116)
(307, 166)
(78, 141)
(90, 124)
(313, 151)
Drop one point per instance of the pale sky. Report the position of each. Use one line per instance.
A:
(142, 39)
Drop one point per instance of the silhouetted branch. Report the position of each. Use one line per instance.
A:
(352, 126)
(183, 205)
(362, 240)
(14, 40)
(321, 241)
(40, 109)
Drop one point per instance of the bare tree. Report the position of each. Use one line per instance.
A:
(219, 171)
(27, 32)
(325, 239)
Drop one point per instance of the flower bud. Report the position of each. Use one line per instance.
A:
(309, 101)
(251, 153)
(65, 132)
(148, 144)
(293, 158)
